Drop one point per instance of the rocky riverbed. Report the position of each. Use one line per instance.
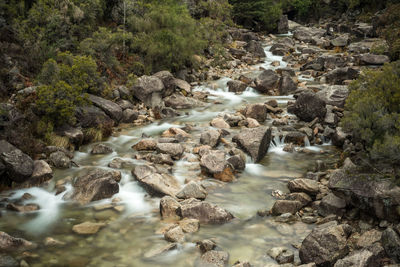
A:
(243, 169)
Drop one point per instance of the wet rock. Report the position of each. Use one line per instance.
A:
(178, 101)
(119, 163)
(214, 163)
(233, 119)
(8, 261)
(59, 160)
(281, 255)
(161, 159)
(95, 185)
(307, 186)
(11, 244)
(331, 204)
(296, 138)
(130, 115)
(338, 75)
(192, 190)
(18, 166)
(258, 112)
(214, 258)
(268, 80)
(334, 95)
(308, 106)
(101, 149)
(302, 197)
(371, 59)
(92, 117)
(256, 48)
(145, 145)
(155, 183)
(236, 86)
(22, 208)
(206, 245)
(210, 137)
(149, 90)
(220, 123)
(391, 243)
(237, 162)
(109, 107)
(285, 206)
(158, 251)
(175, 234)
(254, 141)
(169, 207)
(189, 225)
(286, 85)
(206, 213)
(175, 150)
(42, 172)
(325, 244)
(369, 238)
(87, 228)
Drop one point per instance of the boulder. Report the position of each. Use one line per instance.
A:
(101, 149)
(169, 207)
(206, 245)
(286, 206)
(109, 107)
(236, 86)
(283, 24)
(87, 228)
(331, 204)
(178, 101)
(233, 119)
(255, 48)
(307, 186)
(92, 117)
(254, 141)
(192, 190)
(95, 185)
(189, 225)
(42, 172)
(391, 243)
(175, 150)
(8, 261)
(338, 75)
(306, 34)
(297, 138)
(361, 258)
(215, 164)
(308, 106)
(302, 197)
(175, 234)
(149, 90)
(268, 80)
(210, 137)
(11, 244)
(238, 162)
(325, 244)
(130, 115)
(145, 145)
(18, 166)
(287, 85)
(59, 160)
(219, 123)
(371, 59)
(74, 135)
(369, 238)
(205, 212)
(155, 183)
(258, 112)
(214, 258)
(340, 41)
(334, 95)
(281, 255)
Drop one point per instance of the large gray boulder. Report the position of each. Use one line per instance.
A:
(325, 244)
(17, 165)
(331, 204)
(308, 106)
(283, 24)
(110, 108)
(371, 59)
(149, 90)
(178, 101)
(258, 112)
(359, 258)
(236, 86)
(267, 81)
(286, 85)
(214, 163)
(307, 34)
(307, 186)
(254, 141)
(173, 149)
(95, 185)
(334, 95)
(205, 212)
(192, 190)
(210, 137)
(255, 48)
(92, 117)
(338, 75)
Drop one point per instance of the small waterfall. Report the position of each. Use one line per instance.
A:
(277, 145)
(306, 142)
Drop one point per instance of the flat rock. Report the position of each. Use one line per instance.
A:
(87, 228)
(307, 186)
(175, 150)
(286, 206)
(145, 144)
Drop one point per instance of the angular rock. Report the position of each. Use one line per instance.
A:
(237, 162)
(87, 228)
(11, 244)
(362, 258)
(256, 48)
(302, 197)
(18, 166)
(338, 75)
(92, 117)
(175, 150)
(215, 164)
(283, 24)
(266, 81)
(236, 86)
(334, 95)
(160, 250)
(369, 238)
(281, 255)
(129, 115)
(189, 225)
(206, 213)
(145, 145)
(340, 41)
(59, 160)
(210, 137)
(331, 204)
(391, 243)
(258, 112)
(178, 101)
(206, 245)
(101, 149)
(308, 107)
(307, 186)
(175, 234)
(254, 141)
(214, 258)
(286, 85)
(192, 190)
(286, 206)
(109, 107)
(149, 90)
(42, 172)
(219, 123)
(169, 207)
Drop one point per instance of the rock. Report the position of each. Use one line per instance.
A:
(255, 48)
(74, 135)
(331, 204)
(59, 160)
(338, 75)
(283, 24)
(175, 150)
(92, 117)
(12, 244)
(87, 228)
(101, 149)
(391, 243)
(266, 81)
(129, 115)
(181, 85)
(169, 208)
(307, 186)
(286, 85)
(340, 41)
(281, 255)
(371, 59)
(160, 250)
(210, 137)
(8, 261)
(206, 213)
(252, 123)
(206, 245)
(178, 101)
(149, 90)
(296, 138)
(220, 123)
(213, 162)
(95, 185)
(236, 86)
(325, 244)
(308, 106)
(145, 145)
(363, 258)
(192, 190)
(306, 34)
(42, 172)
(254, 141)
(214, 258)
(237, 162)
(285, 206)
(175, 234)
(23, 208)
(334, 95)
(189, 225)
(175, 132)
(155, 183)
(51, 242)
(18, 166)
(109, 107)
(302, 197)
(258, 112)
(369, 238)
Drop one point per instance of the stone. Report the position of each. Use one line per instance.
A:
(92, 117)
(252, 123)
(334, 95)
(285, 206)
(214, 258)
(210, 137)
(149, 90)
(22, 208)
(11, 244)
(42, 172)
(74, 135)
(119, 163)
(175, 132)
(236, 86)
(178, 101)
(160, 250)
(287, 85)
(331, 204)
(307, 186)
(233, 119)
(59, 160)
(189, 225)
(237, 162)
(18, 166)
(306, 34)
(267, 81)
(371, 59)
(214, 162)
(169, 208)
(175, 234)
(51, 242)
(258, 112)
(363, 258)
(296, 138)
(325, 244)
(8, 261)
(109, 107)
(95, 185)
(129, 115)
(308, 106)
(219, 123)
(302, 197)
(340, 41)
(206, 245)
(283, 24)
(339, 136)
(156, 184)
(206, 212)
(281, 255)
(192, 190)
(254, 141)
(369, 238)
(175, 150)
(338, 75)
(87, 228)
(145, 145)
(256, 48)
(391, 243)
(101, 149)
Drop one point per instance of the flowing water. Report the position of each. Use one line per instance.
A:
(132, 230)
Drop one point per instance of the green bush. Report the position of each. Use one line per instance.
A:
(390, 29)
(372, 112)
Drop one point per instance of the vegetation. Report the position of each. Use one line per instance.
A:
(389, 28)
(373, 113)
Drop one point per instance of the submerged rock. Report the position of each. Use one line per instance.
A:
(87, 228)
(254, 141)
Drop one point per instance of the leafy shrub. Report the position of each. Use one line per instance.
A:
(390, 29)
(372, 112)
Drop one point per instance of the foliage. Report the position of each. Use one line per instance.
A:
(216, 10)
(372, 112)
(390, 29)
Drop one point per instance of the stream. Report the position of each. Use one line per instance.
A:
(133, 227)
